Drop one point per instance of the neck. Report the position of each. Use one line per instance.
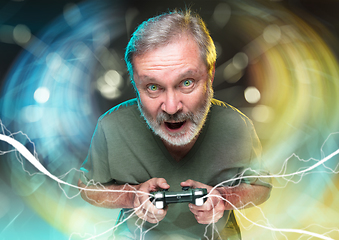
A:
(179, 152)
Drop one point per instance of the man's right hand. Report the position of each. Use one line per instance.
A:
(143, 206)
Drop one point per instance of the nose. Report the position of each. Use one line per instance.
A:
(172, 103)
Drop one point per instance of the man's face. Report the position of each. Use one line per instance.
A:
(174, 89)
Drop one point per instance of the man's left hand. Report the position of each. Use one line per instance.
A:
(212, 210)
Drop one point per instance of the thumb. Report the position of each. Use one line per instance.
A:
(164, 186)
(188, 183)
(162, 183)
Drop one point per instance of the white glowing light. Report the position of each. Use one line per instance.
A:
(113, 78)
(222, 14)
(240, 60)
(252, 95)
(21, 34)
(272, 34)
(101, 38)
(72, 14)
(232, 74)
(262, 113)
(31, 113)
(53, 61)
(108, 85)
(41, 95)
(80, 50)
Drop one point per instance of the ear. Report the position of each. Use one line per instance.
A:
(212, 73)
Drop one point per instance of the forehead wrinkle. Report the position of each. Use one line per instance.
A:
(160, 64)
(175, 61)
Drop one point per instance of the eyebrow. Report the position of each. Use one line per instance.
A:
(185, 74)
(146, 78)
(188, 73)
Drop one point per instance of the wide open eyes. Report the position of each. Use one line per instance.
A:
(187, 83)
(153, 87)
(185, 86)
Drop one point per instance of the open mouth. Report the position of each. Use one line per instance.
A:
(174, 125)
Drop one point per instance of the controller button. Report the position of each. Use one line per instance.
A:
(159, 205)
(199, 192)
(199, 201)
(158, 195)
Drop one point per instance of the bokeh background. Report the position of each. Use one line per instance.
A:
(61, 67)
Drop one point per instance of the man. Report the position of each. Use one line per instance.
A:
(173, 135)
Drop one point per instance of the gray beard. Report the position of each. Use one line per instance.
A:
(182, 138)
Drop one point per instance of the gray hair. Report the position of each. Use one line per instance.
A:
(160, 30)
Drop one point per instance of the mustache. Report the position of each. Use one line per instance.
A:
(177, 117)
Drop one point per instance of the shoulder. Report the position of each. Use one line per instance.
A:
(228, 123)
(126, 106)
(121, 113)
(222, 111)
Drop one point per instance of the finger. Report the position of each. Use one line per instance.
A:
(207, 206)
(205, 221)
(162, 183)
(81, 184)
(150, 207)
(147, 217)
(150, 215)
(208, 216)
(152, 212)
(196, 212)
(153, 218)
(188, 183)
(215, 217)
(205, 218)
(207, 211)
(194, 184)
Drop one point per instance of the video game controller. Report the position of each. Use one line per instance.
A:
(191, 195)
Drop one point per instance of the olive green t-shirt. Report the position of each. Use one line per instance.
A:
(124, 150)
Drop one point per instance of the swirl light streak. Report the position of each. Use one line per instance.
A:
(276, 63)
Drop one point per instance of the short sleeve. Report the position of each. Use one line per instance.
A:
(95, 166)
(256, 173)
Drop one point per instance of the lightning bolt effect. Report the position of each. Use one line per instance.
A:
(282, 174)
(72, 71)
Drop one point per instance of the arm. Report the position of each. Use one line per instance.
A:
(109, 196)
(127, 196)
(238, 196)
